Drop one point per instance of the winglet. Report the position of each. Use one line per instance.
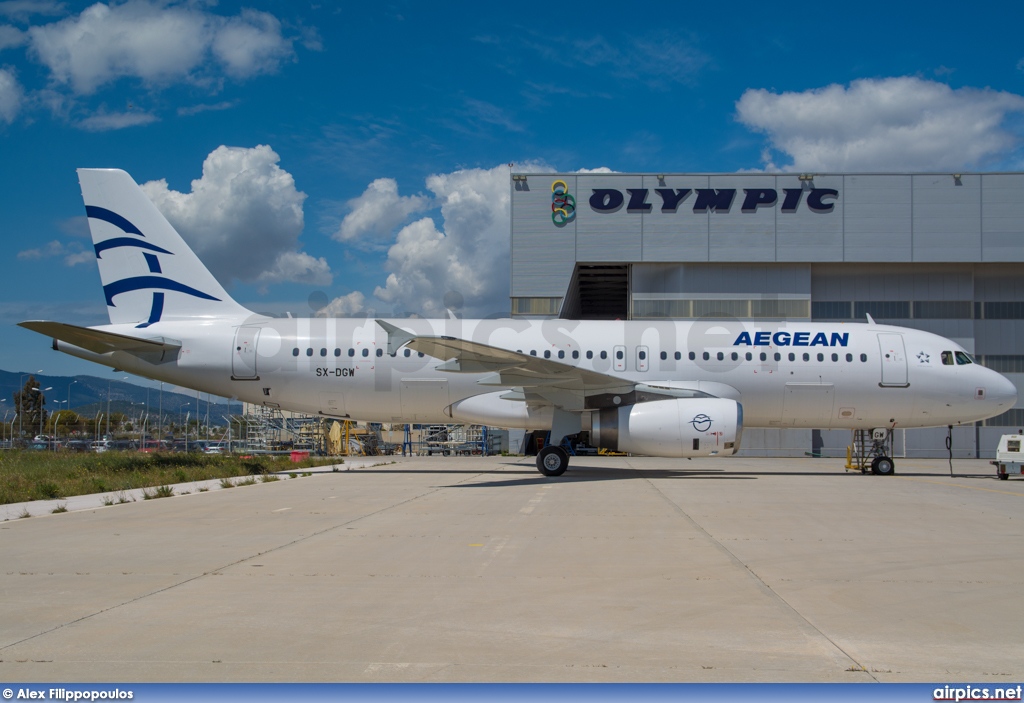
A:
(397, 337)
(871, 320)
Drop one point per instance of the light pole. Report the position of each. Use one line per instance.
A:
(41, 407)
(56, 422)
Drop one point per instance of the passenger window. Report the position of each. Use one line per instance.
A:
(835, 357)
(419, 354)
(807, 357)
(778, 356)
(323, 352)
(380, 352)
(337, 352)
(664, 356)
(407, 352)
(590, 355)
(561, 354)
(720, 356)
(575, 353)
(792, 356)
(679, 356)
(693, 356)
(863, 357)
(547, 353)
(533, 352)
(735, 356)
(749, 356)
(309, 351)
(821, 357)
(604, 355)
(295, 351)
(764, 357)
(706, 356)
(947, 358)
(618, 355)
(962, 359)
(366, 352)
(849, 357)
(642, 355)
(351, 352)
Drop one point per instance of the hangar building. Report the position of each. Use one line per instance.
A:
(940, 252)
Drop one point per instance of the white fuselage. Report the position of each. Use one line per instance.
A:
(811, 375)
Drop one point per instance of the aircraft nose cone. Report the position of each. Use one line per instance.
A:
(1001, 392)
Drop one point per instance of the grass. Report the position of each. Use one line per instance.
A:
(27, 475)
(158, 492)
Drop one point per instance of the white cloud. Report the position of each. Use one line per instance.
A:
(379, 210)
(106, 121)
(344, 306)
(23, 10)
(156, 43)
(243, 218)
(889, 124)
(11, 96)
(599, 169)
(11, 37)
(299, 266)
(73, 253)
(468, 255)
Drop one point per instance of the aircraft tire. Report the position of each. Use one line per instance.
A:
(552, 461)
(1002, 476)
(883, 466)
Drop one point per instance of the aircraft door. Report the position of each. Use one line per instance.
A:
(643, 358)
(894, 360)
(243, 355)
(619, 358)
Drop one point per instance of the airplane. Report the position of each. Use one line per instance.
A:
(656, 388)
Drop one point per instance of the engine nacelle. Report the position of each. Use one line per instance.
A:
(680, 427)
(493, 410)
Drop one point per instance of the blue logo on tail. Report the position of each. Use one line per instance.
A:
(126, 285)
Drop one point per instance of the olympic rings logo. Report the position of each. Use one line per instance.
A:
(563, 205)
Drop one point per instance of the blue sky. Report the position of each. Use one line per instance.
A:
(359, 151)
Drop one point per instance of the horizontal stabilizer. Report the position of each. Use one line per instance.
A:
(98, 341)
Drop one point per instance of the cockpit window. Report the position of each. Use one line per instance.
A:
(963, 358)
(947, 358)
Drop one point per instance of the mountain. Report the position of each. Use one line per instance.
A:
(90, 395)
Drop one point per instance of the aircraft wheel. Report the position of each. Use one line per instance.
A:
(552, 461)
(1002, 476)
(883, 466)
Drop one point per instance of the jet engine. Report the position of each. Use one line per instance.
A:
(680, 427)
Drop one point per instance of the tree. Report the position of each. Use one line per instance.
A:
(31, 406)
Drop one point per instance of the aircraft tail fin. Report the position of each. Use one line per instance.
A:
(148, 272)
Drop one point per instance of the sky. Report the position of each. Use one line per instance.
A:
(354, 158)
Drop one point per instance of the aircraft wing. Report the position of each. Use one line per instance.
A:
(99, 341)
(542, 380)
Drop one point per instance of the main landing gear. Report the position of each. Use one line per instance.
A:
(552, 460)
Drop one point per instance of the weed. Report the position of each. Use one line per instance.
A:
(61, 508)
(226, 483)
(307, 473)
(292, 474)
(107, 500)
(180, 476)
(203, 489)
(24, 513)
(158, 492)
(48, 489)
(267, 478)
(247, 481)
